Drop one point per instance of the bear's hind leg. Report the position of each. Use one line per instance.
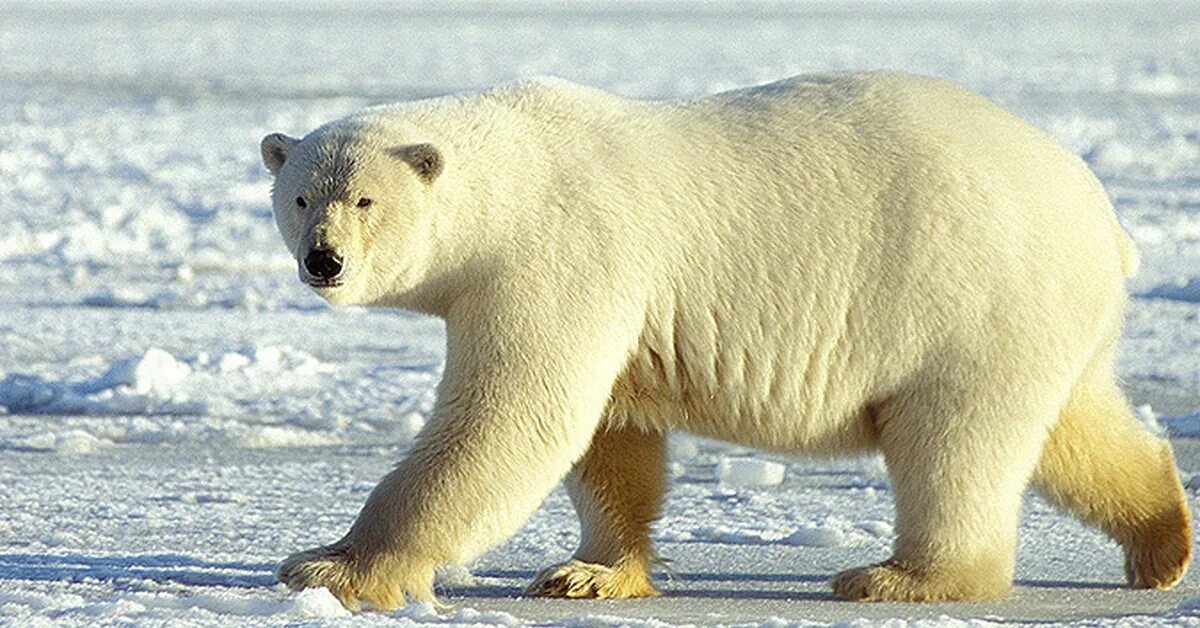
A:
(617, 489)
(1102, 465)
(960, 458)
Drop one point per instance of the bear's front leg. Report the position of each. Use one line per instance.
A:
(617, 489)
(470, 480)
(514, 412)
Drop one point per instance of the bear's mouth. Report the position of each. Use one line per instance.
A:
(325, 283)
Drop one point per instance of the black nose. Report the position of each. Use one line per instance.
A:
(323, 264)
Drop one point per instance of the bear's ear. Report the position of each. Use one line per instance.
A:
(275, 149)
(424, 159)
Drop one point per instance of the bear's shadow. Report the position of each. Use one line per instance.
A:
(675, 585)
(186, 570)
(672, 585)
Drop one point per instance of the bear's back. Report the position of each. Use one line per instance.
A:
(827, 233)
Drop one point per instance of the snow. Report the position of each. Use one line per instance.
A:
(177, 413)
(317, 603)
(162, 389)
(741, 471)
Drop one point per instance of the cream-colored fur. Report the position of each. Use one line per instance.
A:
(824, 264)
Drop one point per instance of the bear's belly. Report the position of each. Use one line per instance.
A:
(788, 432)
(732, 413)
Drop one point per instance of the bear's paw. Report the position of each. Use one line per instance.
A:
(356, 579)
(892, 582)
(1158, 555)
(578, 579)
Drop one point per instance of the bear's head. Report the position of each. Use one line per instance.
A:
(356, 214)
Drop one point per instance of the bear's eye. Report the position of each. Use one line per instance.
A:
(301, 202)
(364, 202)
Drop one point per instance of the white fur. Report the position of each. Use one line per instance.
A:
(824, 264)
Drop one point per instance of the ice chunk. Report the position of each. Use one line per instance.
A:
(61, 539)
(65, 442)
(1112, 155)
(749, 472)
(454, 576)
(676, 469)
(271, 359)
(817, 536)
(1146, 414)
(232, 362)
(156, 372)
(410, 424)
(317, 603)
(78, 442)
(184, 273)
(421, 612)
(118, 297)
(683, 447)
(876, 528)
(272, 436)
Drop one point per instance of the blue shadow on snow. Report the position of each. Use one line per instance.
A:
(158, 568)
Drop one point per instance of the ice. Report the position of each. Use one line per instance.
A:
(683, 447)
(278, 436)
(133, 386)
(781, 528)
(65, 442)
(1145, 413)
(157, 397)
(455, 576)
(233, 362)
(316, 603)
(749, 472)
(817, 536)
(178, 298)
(876, 528)
(61, 539)
(114, 609)
(155, 372)
(410, 424)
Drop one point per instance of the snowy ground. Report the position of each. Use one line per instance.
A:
(179, 413)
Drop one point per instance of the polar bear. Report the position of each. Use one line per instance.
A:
(826, 264)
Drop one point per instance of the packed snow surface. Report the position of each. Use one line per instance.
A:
(177, 413)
